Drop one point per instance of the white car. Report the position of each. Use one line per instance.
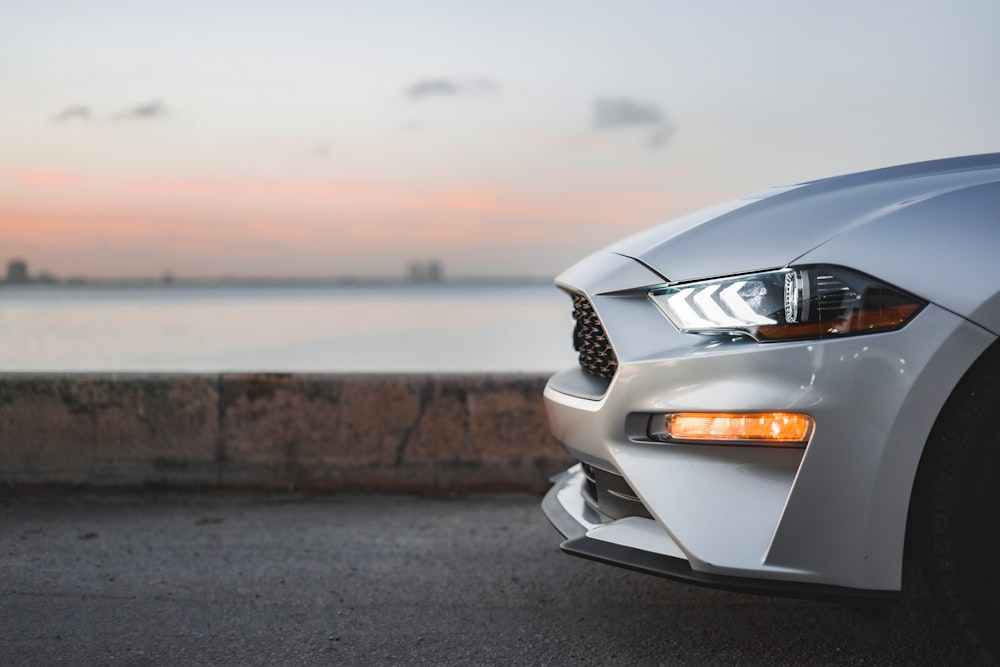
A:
(783, 393)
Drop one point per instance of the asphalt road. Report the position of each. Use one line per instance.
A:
(381, 580)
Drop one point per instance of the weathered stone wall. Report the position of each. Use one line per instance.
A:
(424, 433)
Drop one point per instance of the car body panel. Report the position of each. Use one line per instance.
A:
(964, 282)
(776, 230)
(834, 512)
(742, 510)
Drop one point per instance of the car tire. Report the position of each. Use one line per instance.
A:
(958, 509)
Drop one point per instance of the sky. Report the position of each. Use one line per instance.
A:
(309, 138)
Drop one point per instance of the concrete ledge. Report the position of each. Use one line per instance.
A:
(421, 433)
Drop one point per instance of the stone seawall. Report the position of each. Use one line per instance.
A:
(405, 433)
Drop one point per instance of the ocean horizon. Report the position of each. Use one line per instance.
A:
(281, 326)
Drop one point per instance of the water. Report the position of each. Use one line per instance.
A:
(402, 328)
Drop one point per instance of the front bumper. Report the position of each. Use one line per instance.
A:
(828, 520)
(639, 544)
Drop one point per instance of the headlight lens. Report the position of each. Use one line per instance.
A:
(788, 304)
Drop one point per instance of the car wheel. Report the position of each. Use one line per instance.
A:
(958, 496)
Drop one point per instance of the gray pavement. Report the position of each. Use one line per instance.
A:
(380, 580)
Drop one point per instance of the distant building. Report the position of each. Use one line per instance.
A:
(434, 271)
(426, 272)
(416, 272)
(17, 271)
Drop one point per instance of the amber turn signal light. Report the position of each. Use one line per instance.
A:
(756, 428)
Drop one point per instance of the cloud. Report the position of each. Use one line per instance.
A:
(71, 113)
(660, 137)
(144, 112)
(611, 113)
(431, 88)
(443, 87)
(44, 179)
(148, 111)
(622, 113)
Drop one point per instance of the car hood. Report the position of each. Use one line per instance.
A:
(775, 228)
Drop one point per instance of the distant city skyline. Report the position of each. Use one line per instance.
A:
(18, 272)
(310, 138)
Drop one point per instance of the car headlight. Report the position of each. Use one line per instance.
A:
(787, 304)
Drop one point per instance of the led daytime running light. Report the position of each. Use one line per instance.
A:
(787, 304)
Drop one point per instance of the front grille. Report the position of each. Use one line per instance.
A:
(589, 339)
(611, 495)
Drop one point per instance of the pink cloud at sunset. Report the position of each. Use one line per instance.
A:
(117, 227)
(43, 179)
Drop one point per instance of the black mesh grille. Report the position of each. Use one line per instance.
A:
(589, 339)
